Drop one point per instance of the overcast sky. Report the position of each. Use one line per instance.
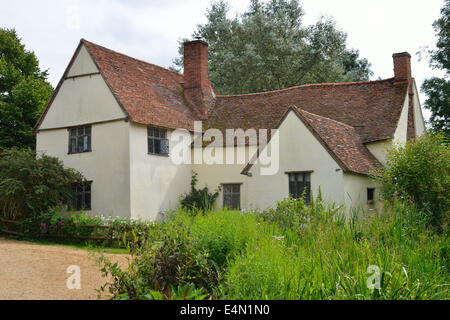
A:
(150, 29)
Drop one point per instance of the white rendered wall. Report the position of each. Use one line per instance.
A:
(300, 151)
(107, 165)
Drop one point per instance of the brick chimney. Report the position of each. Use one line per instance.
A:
(402, 67)
(197, 88)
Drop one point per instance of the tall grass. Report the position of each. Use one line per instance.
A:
(298, 252)
(329, 259)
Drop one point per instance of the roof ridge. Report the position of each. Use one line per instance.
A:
(125, 55)
(337, 84)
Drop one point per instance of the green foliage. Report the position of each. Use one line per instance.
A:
(268, 48)
(312, 254)
(438, 89)
(224, 234)
(31, 184)
(199, 199)
(24, 91)
(419, 172)
(167, 259)
(59, 221)
(329, 260)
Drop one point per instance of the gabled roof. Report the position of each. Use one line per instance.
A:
(148, 94)
(343, 116)
(340, 140)
(372, 107)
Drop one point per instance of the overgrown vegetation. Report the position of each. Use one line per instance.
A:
(31, 184)
(64, 226)
(199, 200)
(290, 252)
(419, 172)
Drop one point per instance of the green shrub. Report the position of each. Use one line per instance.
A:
(199, 199)
(419, 172)
(31, 185)
(165, 260)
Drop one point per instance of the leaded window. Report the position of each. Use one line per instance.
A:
(80, 139)
(232, 196)
(157, 141)
(300, 186)
(82, 198)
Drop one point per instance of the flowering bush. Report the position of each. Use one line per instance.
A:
(70, 224)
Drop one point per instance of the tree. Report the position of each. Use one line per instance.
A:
(419, 172)
(24, 91)
(438, 89)
(268, 48)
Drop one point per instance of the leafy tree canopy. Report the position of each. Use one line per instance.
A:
(24, 91)
(268, 48)
(438, 89)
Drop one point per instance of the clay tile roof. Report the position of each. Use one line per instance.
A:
(149, 94)
(342, 142)
(371, 107)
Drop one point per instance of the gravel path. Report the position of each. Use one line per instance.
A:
(30, 271)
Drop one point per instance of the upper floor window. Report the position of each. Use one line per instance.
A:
(80, 139)
(300, 186)
(157, 141)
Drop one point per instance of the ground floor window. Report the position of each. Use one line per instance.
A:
(232, 196)
(370, 195)
(82, 198)
(300, 185)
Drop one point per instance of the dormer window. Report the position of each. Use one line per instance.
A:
(157, 141)
(80, 139)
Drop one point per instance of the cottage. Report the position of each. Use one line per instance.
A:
(118, 119)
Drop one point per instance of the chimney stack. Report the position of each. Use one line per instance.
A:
(402, 67)
(197, 87)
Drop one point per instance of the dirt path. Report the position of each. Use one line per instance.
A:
(38, 272)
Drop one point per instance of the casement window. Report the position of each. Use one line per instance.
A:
(300, 185)
(157, 141)
(370, 195)
(80, 139)
(82, 198)
(232, 196)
